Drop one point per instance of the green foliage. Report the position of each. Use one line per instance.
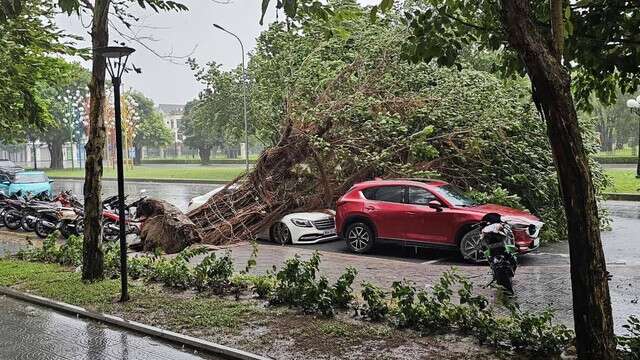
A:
(434, 311)
(151, 129)
(213, 272)
(375, 307)
(468, 127)
(629, 344)
(215, 119)
(298, 286)
(29, 39)
(67, 254)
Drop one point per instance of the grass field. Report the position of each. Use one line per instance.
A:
(627, 151)
(624, 181)
(161, 173)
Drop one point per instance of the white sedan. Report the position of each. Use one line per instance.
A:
(295, 228)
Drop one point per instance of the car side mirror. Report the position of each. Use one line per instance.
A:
(435, 204)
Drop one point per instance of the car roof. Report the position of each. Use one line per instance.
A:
(402, 182)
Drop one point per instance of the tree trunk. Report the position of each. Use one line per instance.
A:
(137, 159)
(552, 93)
(205, 154)
(57, 158)
(93, 257)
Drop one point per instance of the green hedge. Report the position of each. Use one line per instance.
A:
(617, 159)
(196, 161)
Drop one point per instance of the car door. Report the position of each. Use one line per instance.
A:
(423, 222)
(385, 206)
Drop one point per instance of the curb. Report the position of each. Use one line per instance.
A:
(167, 181)
(185, 340)
(622, 196)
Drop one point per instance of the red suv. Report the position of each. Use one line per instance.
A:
(426, 213)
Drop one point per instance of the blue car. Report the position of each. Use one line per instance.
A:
(27, 182)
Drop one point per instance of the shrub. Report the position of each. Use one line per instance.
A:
(67, 254)
(296, 285)
(630, 344)
(213, 272)
(175, 272)
(375, 307)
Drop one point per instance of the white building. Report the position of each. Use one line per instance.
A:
(172, 114)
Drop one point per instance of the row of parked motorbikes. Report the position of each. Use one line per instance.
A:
(64, 213)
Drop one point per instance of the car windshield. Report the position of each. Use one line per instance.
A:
(454, 195)
(22, 178)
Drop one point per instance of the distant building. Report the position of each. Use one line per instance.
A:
(172, 114)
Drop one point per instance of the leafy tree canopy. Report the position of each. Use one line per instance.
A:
(28, 42)
(602, 44)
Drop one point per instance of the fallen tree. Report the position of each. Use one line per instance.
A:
(376, 115)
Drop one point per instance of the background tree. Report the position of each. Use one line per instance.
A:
(28, 41)
(214, 121)
(151, 129)
(93, 262)
(65, 101)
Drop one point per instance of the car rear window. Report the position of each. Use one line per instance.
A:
(385, 193)
(22, 178)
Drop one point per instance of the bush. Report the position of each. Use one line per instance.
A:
(67, 254)
(213, 272)
(375, 307)
(630, 344)
(297, 286)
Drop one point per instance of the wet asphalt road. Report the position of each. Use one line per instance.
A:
(31, 332)
(177, 194)
(621, 245)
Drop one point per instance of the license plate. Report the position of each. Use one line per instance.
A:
(329, 232)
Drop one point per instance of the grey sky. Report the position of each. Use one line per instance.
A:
(179, 34)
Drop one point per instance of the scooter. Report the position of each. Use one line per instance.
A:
(111, 220)
(499, 249)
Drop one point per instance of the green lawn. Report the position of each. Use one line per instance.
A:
(624, 181)
(627, 151)
(161, 173)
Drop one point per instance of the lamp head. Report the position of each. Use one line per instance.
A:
(117, 57)
(218, 27)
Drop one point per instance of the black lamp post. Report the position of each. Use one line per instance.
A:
(117, 57)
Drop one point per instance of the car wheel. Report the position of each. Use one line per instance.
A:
(471, 247)
(359, 237)
(280, 233)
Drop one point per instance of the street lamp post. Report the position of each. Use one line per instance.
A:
(244, 97)
(634, 105)
(117, 57)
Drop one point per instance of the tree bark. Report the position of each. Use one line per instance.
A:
(93, 257)
(205, 154)
(57, 157)
(552, 93)
(137, 159)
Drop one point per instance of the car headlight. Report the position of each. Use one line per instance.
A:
(301, 222)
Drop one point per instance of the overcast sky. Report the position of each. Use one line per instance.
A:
(184, 34)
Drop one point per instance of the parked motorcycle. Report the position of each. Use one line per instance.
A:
(111, 219)
(499, 249)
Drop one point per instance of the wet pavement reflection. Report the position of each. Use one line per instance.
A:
(177, 194)
(31, 332)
